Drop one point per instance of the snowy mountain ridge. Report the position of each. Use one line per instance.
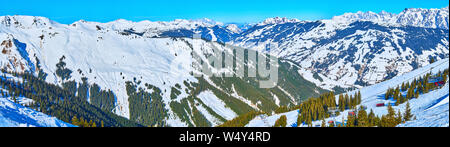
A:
(418, 17)
(277, 20)
(356, 49)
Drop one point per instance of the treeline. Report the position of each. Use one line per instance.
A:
(55, 101)
(319, 108)
(85, 123)
(65, 102)
(104, 99)
(349, 102)
(281, 122)
(146, 108)
(364, 119)
(310, 110)
(315, 109)
(416, 87)
(241, 120)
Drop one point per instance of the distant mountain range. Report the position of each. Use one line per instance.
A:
(351, 50)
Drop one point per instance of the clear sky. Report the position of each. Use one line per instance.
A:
(239, 11)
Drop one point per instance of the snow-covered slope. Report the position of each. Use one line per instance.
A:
(430, 109)
(432, 112)
(16, 115)
(111, 54)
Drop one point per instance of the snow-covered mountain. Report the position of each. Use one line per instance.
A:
(123, 57)
(333, 54)
(418, 17)
(347, 51)
(430, 109)
(277, 20)
(142, 58)
(356, 49)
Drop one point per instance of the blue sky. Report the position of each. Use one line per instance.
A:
(239, 11)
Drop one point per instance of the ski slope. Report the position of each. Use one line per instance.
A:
(269, 121)
(435, 114)
(16, 115)
(430, 109)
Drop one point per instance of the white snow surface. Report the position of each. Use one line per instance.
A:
(269, 121)
(16, 115)
(213, 102)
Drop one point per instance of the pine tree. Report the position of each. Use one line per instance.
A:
(386, 96)
(359, 97)
(350, 121)
(75, 121)
(82, 122)
(299, 120)
(14, 99)
(399, 118)
(91, 123)
(397, 102)
(86, 124)
(346, 101)
(371, 118)
(403, 87)
(362, 119)
(281, 122)
(416, 95)
(341, 102)
(390, 118)
(407, 115)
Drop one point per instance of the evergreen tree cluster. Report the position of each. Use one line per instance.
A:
(282, 109)
(146, 108)
(84, 123)
(349, 102)
(61, 69)
(241, 120)
(102, 98)
(318, 108)
(418, 86)
(281, 122)
(364, 119)
(57, 101)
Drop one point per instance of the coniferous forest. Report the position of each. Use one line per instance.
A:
(68, 103)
